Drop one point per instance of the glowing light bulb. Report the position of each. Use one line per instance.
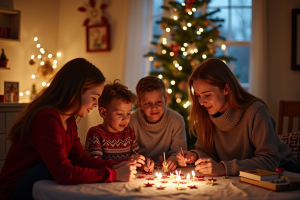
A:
(178, 100)
(198, 33)
(160, 76)
(195, 50)
(54, 66)
(185, 44)
(42, 63)
(35, 39)
(183, 4)
(180, 68)
(33, 76)
(210, 40)
(163, 51)
(175, 17)
(55, 62)
(184, 28)
(58, 54)
(190, 12)
(21, 94)
(184, 53)
(176, 65)
(27, 92)
(194, 9)
(151, 58)
(48, 84)
(43, 84)
(39, 56)
(168, 29)
(223, 47)
(185, 106)
(169, 90)
(191, 51)
(189, 24)
(32, 57)
(38, 45)
(201, 29)
(172, 82)
(174, 62)
(204, 56)
(171, 53)
(182, 49)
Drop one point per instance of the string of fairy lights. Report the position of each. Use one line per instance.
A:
(47, 63)
(186, 48)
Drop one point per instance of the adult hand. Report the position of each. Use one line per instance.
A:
(125, 171)
(172, 164)
(189, 157)
(150, 164)
(140, 160)
(208, 166)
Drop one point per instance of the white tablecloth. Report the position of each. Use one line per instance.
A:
(230, 188)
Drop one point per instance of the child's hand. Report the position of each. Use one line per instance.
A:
(172, 164)
(125, 171)
(150, 164)
(140, 160)
(209, 166)
(189, 157)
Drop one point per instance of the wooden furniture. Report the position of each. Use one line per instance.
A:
(11, 19)
(8, 113)
(288, 109)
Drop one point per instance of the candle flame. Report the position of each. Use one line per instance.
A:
(193, 173)
(188, 176)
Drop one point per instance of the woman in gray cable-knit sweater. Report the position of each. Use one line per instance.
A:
(234, 128)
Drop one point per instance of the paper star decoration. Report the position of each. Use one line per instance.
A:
(149, 184)
(192, 187)
(199, 176)
(147, 173)
(181, 175)
(160, 188)
(182, 182)
(212, 183)
(141, 177)
(163, 181)
(150, 179)
(212, 179)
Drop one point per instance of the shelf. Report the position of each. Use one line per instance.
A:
(11, 19)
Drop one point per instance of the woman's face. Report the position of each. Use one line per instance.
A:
(211, 97)
(89, 100)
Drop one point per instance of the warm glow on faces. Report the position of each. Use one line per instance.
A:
(153, 105)
(90, 100)
(211, 97)
(117, 116)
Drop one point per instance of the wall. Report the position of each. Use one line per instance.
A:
(283, 83)
(58, 25)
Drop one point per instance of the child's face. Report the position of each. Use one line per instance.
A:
(89, 100)
(117, 116)
(152, 104)
(211, 97)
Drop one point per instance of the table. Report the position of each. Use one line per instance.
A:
(230, 188)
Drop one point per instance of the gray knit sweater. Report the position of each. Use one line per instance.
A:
(167, 135)
(247, 139)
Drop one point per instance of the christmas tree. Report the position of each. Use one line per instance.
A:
(189, 36)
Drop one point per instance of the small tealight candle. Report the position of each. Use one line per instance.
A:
(188, 178)
(178, 180)
(159, 177)
(193, 173)
(156, 174)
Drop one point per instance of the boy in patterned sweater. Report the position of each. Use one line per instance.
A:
(113, 139)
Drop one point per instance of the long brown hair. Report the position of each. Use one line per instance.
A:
(215, 72)
(63, 95)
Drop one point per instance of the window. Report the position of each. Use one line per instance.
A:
(236, 28)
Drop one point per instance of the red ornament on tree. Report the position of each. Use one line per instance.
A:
(189, 5)
(175, 48)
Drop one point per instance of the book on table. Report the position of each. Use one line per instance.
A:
(259, 174)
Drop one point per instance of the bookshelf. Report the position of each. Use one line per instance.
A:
(10, 18)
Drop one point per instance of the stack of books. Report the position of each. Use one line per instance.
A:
(269, 180)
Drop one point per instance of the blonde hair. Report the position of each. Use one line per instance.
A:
(215, 72)
(63, 95)
(115, 91)
(150, 83)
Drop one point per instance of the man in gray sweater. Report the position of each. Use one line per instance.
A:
(157, 128)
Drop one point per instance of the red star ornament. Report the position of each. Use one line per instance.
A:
(141, 177)
(150, 179)
(193, 187)
(212, 179)
(149, 184)
(175, 48)
(147, 173)
(160, 188)
(199, 176)
(189, 5)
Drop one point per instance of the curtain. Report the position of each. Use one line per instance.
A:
(258, 75)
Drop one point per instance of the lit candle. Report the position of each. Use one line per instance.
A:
(156, 174)
(188, 178)
(178, 180)
(159, 177)
(193, 173)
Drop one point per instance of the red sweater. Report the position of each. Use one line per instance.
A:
(61, 152)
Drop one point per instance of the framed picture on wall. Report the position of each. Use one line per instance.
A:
(11, 91)
(295, 39)
(97, 38)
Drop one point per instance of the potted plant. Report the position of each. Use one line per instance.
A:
(3, 59)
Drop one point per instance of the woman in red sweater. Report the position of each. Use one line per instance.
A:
(45, 142)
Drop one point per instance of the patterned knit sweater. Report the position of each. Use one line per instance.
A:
(105, 145)
(247, 139)
(167, 135)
